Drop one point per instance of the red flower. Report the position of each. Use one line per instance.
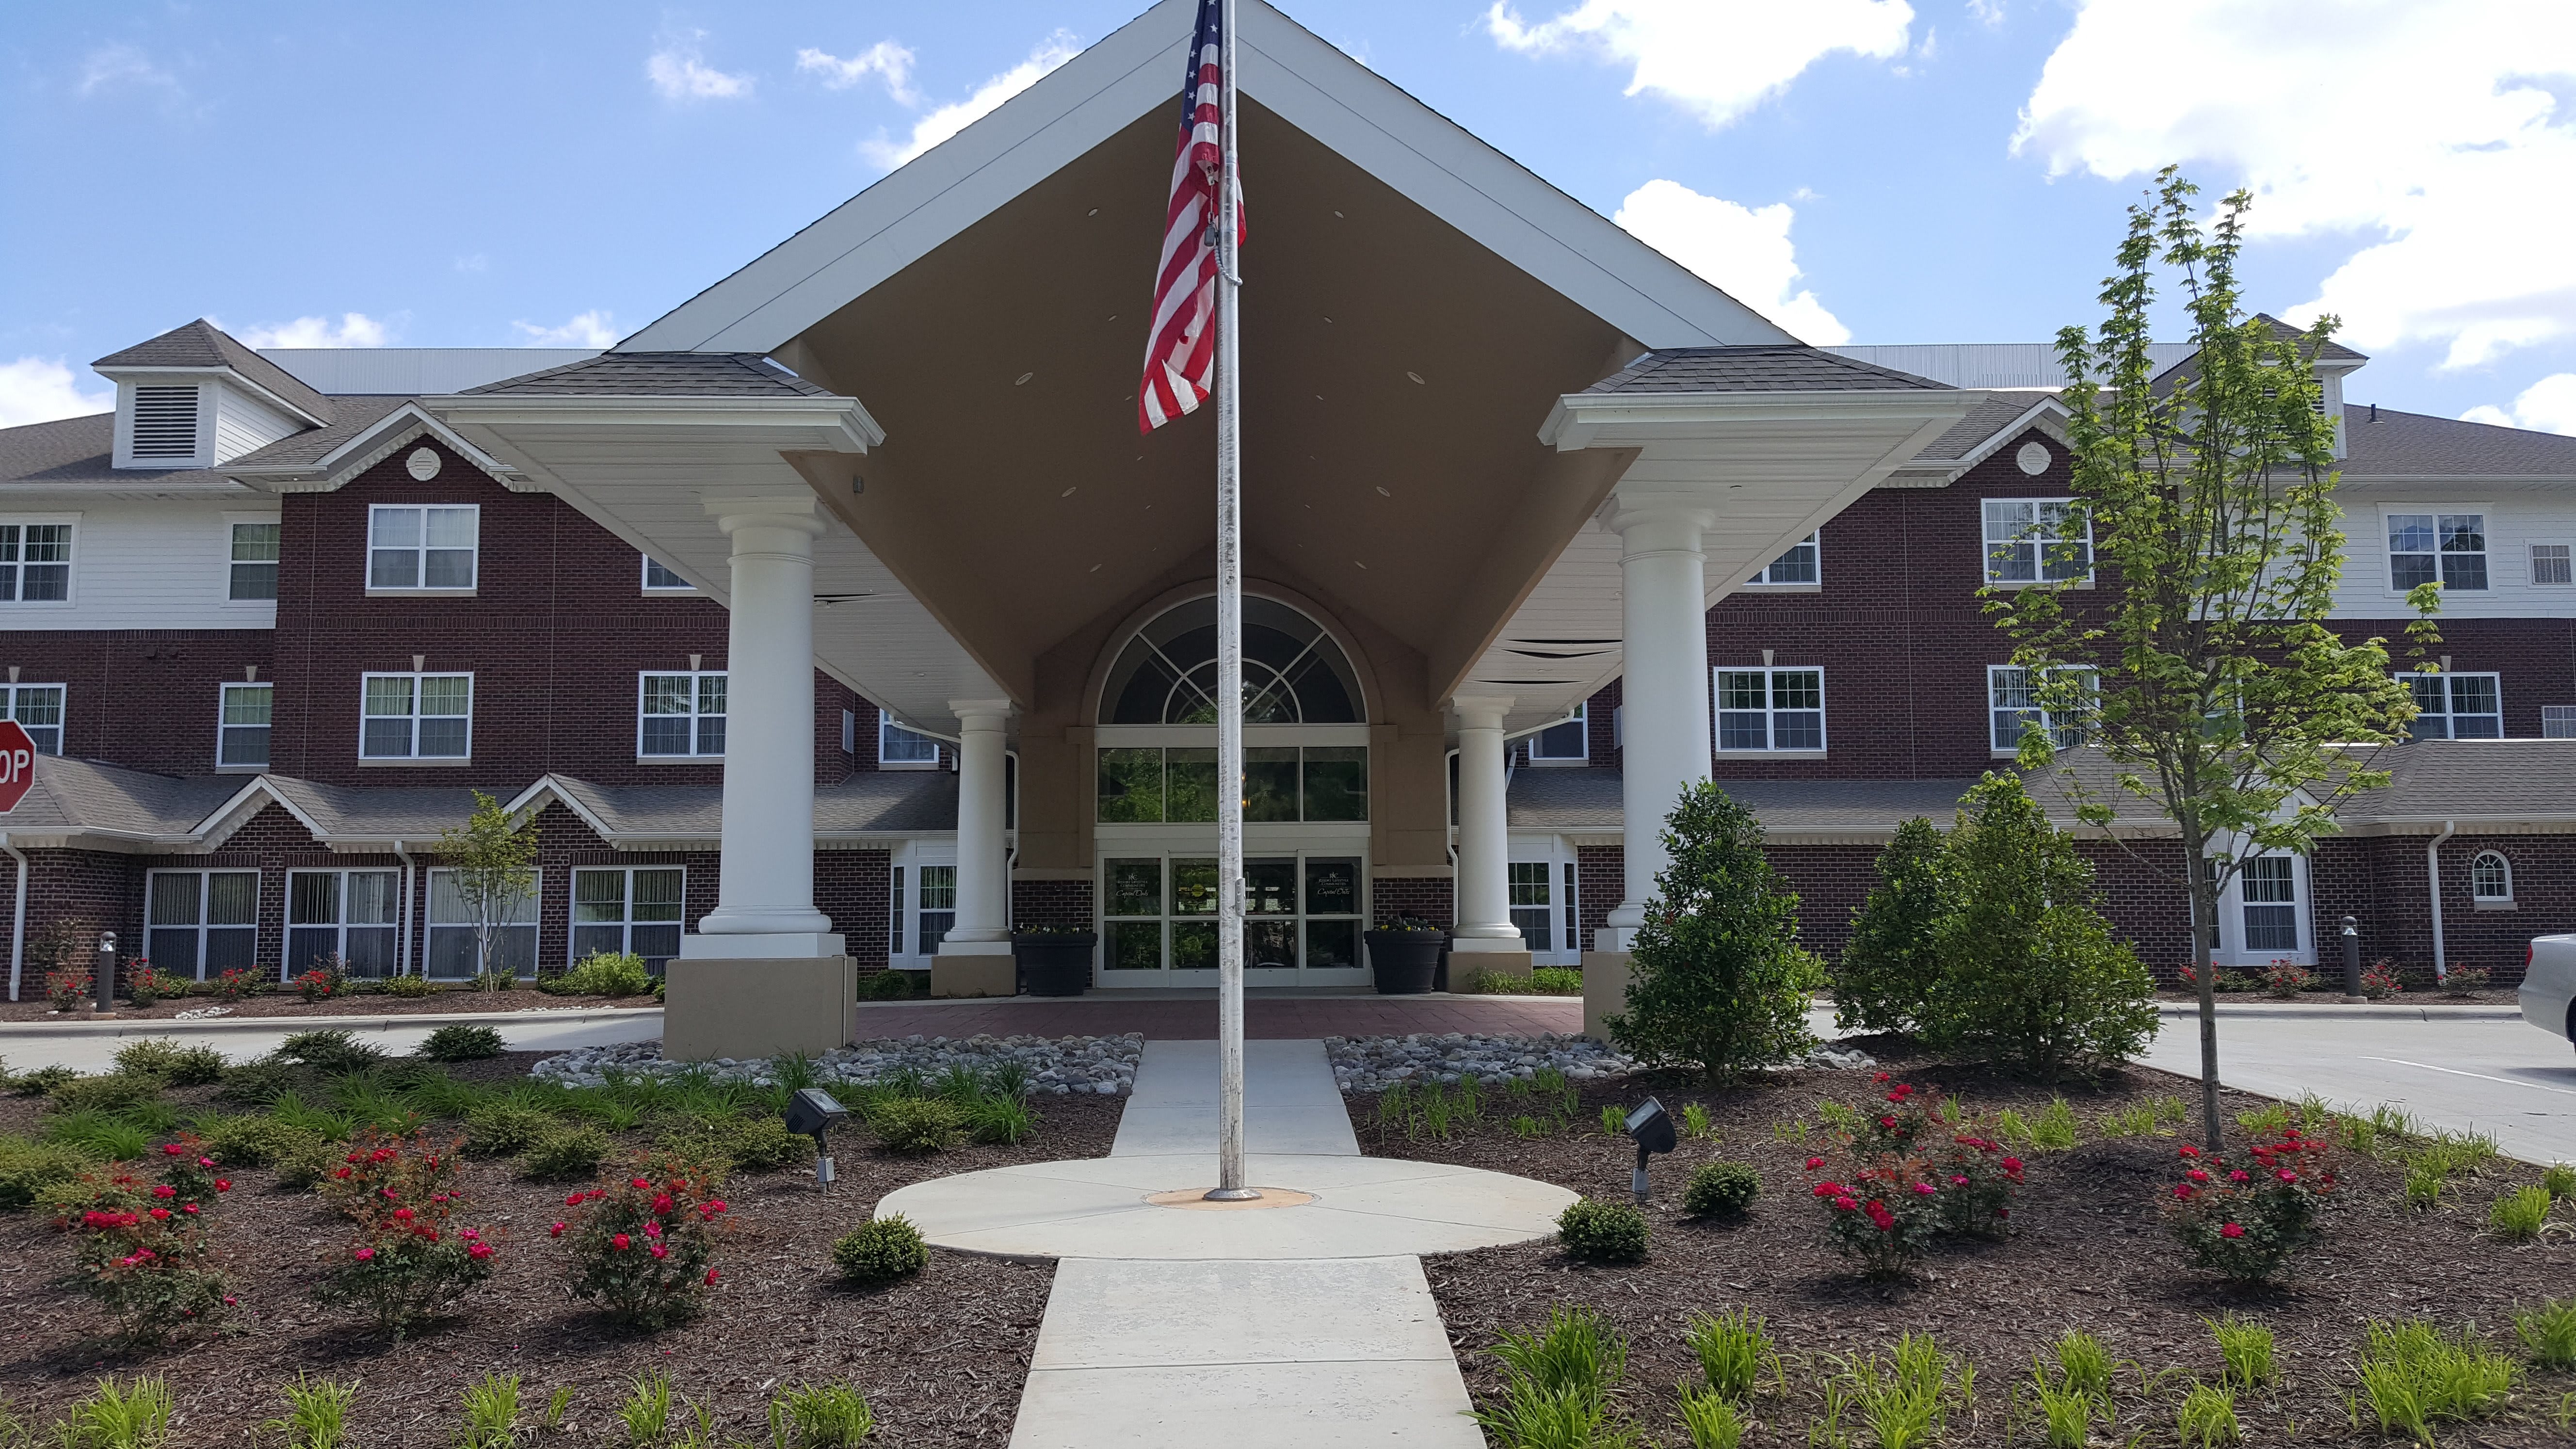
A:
(716, 1205)
(342, 1173)
(652, 1228)
(1956, 1180)
(1846, 1203)
(223, 1184)
(2190, 1151)
(2197, 1175)
(172, 1148)
(1881, 1077)
(573, 1201)
(2183, 1190)
(621, 1242)
(364, 1254)
(2232, 1230)
(1925, 1189)
(1814, 1162)
(165, 1190)
(1829, 1189)
(352, 1157)
(1886, 1121)
(2286, 1175)
(205, 1162)
(479, 1251)
(2012, 1164)
(660, 1252)
(187, 1207)
(402, 1215)
(711, 1277)
(160, 1214)
(2239, 1174)
(637, 1182)
(556, 1231)
(662, 1203)
(1879, 1214)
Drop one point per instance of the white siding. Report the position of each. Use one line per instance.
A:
(2517, 517)
(163, 564)
(243, 424)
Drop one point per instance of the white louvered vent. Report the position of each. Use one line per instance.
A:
(165, 422)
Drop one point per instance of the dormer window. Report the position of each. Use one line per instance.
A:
(165, 424)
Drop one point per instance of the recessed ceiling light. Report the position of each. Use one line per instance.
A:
(1417, 377)
(1095, 568)
(1023, 377)
(1095, 211)
(1355, 563)
(1382, 493)
(1337, 213)
(1068, 493)
(1113, 316)
(1319, 397)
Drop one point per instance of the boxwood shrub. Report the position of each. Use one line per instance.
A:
(882, 1251)
(1595, 1231)
(1721, 1190)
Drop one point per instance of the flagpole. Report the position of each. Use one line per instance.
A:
(1229, 656)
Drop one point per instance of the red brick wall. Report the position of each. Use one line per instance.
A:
(853, 887)
(1831, 881)
(1600, 884)
(1052, 903)
(1429, 897)
(147, 698)
(2381, 880)
(2536, 658)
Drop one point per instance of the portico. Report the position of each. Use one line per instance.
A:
(1498, 453)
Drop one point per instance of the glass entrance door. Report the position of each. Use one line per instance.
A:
(1301, 925)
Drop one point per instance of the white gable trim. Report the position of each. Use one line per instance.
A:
(237, 812)
(2048, 415)
(1315, 87)
(378, 441)
(533, 799)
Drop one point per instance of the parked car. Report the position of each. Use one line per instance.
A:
(2549, 985)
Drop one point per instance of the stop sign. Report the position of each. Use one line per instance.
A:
(17, 764)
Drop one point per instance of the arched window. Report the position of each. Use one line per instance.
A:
(1293, 672)
(2490, 877)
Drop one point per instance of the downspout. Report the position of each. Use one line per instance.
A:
(402, 914)
(17, 913)
(2433, 885)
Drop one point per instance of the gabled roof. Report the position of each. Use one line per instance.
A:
(200, 344)
(658, 374)
(2385, 443)
(80, 452)
(369, 430)
(1758, 367)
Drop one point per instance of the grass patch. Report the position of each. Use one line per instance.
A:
(2414, 1376)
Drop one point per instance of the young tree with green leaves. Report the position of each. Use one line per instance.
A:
(492, 861)
(1719, 981)
(1889, 967)
(2203, 669)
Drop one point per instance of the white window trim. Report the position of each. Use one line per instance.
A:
(368, 564)
(2491, 903)
(1582, 717)
(71, 569)
(1824, 731)
(574, 925)
(2232, 953)
(644, 573)
(1762, 577)
(1985, 548)
(2046, 722)
(428, 926)
(2562, 715)
(205, 891)
(224, 568)
(224, 686)
(886, 721)
(2531, 559)
(2408, 679)
(2486, 525)
(905, 904)
(693, 676)
(339, 928)
(416, 760)
(9, 710)
(1564, 894)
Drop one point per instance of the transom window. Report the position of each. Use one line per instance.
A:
(1770, 709)
(1293, 672)
(1151, 784)
(1567, 743)
(455, 953)
(241, 733)
(2490, 877)
(202, 923)
(38, 709)
(1800, 565)
(622, 910)
(2449, 549)
(2550, 564)
(903, 748)
(1159, 913)
(254, 566)
(430, 547)
(347, 914)
(2016, 700)
(418, 717)
(35, 563)
(2037, 541)
(2269, 887)
(660, 580)
(2457, 706)
(682, 716)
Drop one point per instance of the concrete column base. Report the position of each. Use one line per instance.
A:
(758, 1008)
(1505, 966)
(973, 973)
(1605, 991)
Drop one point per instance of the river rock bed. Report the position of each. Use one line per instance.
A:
(1085, 1065)
(1374, 1063)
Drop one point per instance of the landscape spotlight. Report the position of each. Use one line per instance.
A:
(1651, 1128)
(811, 1113)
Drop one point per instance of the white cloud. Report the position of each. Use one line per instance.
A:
(354, 329)
(1990, 12)
(1714, 58)
(886, 60)
(39, 390)
(475, 263)
(591, 329)
(948, 120)
(680, 74)
(2548, 405)
(1743, 251)
(120, 65)
(2430, 130)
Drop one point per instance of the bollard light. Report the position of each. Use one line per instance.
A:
(1651, 1128)
(811, 1113)
(103, 980)
(2352, 959)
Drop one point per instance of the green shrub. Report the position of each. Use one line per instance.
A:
(2246, 1349)
(738, 1143)
(1597, 1231)
(116, 1094)
(2031, 976)
(459, 1042)
(826, 1416)
(135, 1417)
(889, 986)
(29, 1169)
(163, 1060)
(410, 987)
(102, 1135)
(609, 973)
(1890, 969)
(256, 1084)
(332, 1053)
(1558, 1384)
(2560, 1179)
(1719, 982)
(2413, 1376)
(917, 1126)
(643, 1242)
(2206, 1418)
(563, 1150)
(2518, 1216)
(309, 1163)
(1731, 1349)
(882, 1251)
(42, 1080)
(1721, 1189)
(254, 1141)
(2549, 1331)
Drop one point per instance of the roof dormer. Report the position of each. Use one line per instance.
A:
(194, 398)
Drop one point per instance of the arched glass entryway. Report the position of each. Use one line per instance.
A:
(1305, 794)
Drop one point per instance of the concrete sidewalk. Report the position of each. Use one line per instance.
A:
(90, 1046)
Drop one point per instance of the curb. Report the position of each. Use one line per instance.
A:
(2341, 1012)
(145, 1026)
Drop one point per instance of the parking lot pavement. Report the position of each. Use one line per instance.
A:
(27, 1048)
(2492, 1074)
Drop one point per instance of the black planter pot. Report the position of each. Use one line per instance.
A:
(1054, 965)
(1404, 962)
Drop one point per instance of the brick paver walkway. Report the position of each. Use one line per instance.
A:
(1169, 1020)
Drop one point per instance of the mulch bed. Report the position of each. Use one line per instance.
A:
(2412, 996)
(2091, 1252)
(941, 1357)
(288, 1003)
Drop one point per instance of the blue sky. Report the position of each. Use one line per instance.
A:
(1869, 170)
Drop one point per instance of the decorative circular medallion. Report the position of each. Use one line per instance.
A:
(1196, 1198)
(2032, 459)
(423, 464)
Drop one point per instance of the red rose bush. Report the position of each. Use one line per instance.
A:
(2248, 1221)
(409, 1261)
(644, 1244)
(1909, 1174)
(143, 1252)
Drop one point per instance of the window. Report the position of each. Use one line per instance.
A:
(454, 953)
(682, 716)
(38, 709)
(417, 717)
(895, 916)
(2037, 541)
(2457, 706)
(2550, 564)
(1566, 743)
(344, 913)
(1160, 913)
(1798, 566)
(165, 423)
(1770, 709)
(241, 735)
(2491, 879)
(422, 548)
(1151, 784)
(202, 923)
(634, 910)
(35, 562)
(2558, 721)
(255, 560)
(659, 580)
(2449, 549)
(2269, 887)
(1531, 882)
(1293, 672)
(938, 907)
(2014, 700)
(849, 732)
(903, 748)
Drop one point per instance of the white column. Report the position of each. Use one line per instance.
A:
(765, 901)
(983, 872)
(1484, 837)
(1664, 695)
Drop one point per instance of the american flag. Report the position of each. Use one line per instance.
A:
(1180, 351)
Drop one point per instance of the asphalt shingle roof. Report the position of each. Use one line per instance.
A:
(890, 801)
(2392, 444)
(1762, 367)
(659, 374)
(355, 415)
(202, 344)
(88, 795)
(1979, 425)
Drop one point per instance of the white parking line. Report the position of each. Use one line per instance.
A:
(2481, 1076)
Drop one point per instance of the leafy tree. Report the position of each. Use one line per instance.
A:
(2210, 681)
(493, 858)
(2031, 976)
(1719, 981)
(1890, 966)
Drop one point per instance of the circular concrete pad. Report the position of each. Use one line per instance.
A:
(1197, 1200)
(1364, 1207)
